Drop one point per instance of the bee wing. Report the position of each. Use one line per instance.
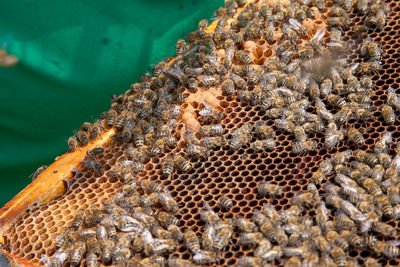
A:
(318, 35)
(366, 225)
(294, 23)
(45, 259)
(387, 137)
(396, 163)
(395, 243)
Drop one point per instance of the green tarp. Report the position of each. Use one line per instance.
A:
(73, 55)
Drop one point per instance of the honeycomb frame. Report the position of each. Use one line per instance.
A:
(226, 172)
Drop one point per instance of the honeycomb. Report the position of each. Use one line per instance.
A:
(226, 172)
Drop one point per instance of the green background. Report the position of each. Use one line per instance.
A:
(73, 55)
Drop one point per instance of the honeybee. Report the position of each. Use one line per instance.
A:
(208, 215)
(384, 229)
(303, 147)
(211, 130)
(353, 239)
(332, 135)
(212, 142)
(77, 252)
(224, 202)
(166, 219)
(355, 137)
(182, 164)
(38, 172)
(380, 19)
(94, 152)
(64, 239)
(180, 48)
(150, 186)
(168, 166)
(285, 125)
(82, 138)
(228, 86)
(334, 238)
(336, 101)
(168, 202)
(246, 261)
(191, 241)
(366, 157)
(381, 144)
(122, 255)
(369, 67)
(176, 233)
(176, 262)
(339, 256)
(94, 217)
(260, 145)
(205, 257)
(388, 114)
(72, 144)
(222, 238)
(321, 213)
(272, 190)
(371, 262)
(94, 166)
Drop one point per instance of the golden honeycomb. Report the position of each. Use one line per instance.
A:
(232, 173)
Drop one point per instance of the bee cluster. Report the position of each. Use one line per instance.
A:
(362, 192)
(136, 225)
(288, 60)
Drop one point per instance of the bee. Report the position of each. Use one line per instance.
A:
(82, 138)
(138, 244)
(166, 219)
(388, 114)
(369, 67)
(93, 246)
(332, 136)
(211, 130)
(212, 142)
(260, 145)
(94, 152)
(228, 86)
(244, 57)
(371, 262)
(264, 131)
(93, 166)
(122, 255)
(355, 137)
(94, 217)
(177, 262)
(384, 229)
(208, 215)
(168, 202)
(191, 241)
(341, 157)
(223, 237)
(304, 199)
(365, 157)
(150, 186)
(303, 147)
(111, 115)
(272, 190)
(180, 48)
(78, 219)
(380, 19)
(205, 257)
(284, 124)
(393, 194)
(210, 113)
(336, 101)
(182, 164)
(244, 225)
(225, 202)
(168, 166)
(176, 233)
(390, 250)
(334, 238)
(353, 239)
(72, 144)
(381, 144)
(246, 261)
(250, 239)
(338, 256)
(77, 252)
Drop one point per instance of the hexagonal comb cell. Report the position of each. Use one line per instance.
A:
(230, 170)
